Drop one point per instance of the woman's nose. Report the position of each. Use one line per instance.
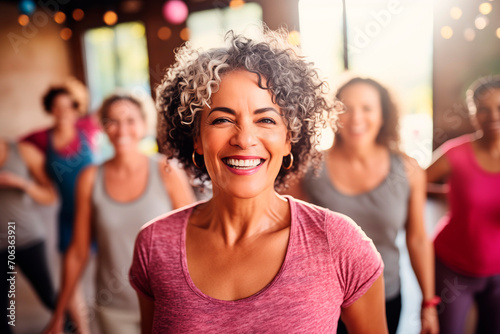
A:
(245, 136)
(122, 128)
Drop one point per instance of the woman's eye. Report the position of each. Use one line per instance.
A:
(109, 123)
(220, 121)
(267, 121)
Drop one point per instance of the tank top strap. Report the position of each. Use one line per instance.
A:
(98, 189)
(397, 179)
(155, 179)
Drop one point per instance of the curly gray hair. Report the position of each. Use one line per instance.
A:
(294, 84)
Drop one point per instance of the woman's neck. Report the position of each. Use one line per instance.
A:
(237, 219)
(127, 161)
(356, 153)
(490, 145)
(64, 129)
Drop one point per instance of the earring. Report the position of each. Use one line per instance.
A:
(290, 164)
(193, 157)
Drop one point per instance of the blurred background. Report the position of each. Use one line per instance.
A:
(427, 52)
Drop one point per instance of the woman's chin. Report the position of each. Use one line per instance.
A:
(243, 191)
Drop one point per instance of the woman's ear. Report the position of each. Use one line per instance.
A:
(198, 146)
(288, 144)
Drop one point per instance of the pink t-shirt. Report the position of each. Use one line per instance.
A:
(468, 239)
(329, 264)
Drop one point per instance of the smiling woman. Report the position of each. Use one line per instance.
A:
(243, 134)
(247, 117)
(114, 200)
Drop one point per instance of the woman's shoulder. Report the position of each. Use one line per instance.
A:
(38, 138)
(168, 224)
(456, 144)
(347, 243)
(323, 218)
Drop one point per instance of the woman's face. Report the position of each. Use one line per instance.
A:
(63, 109)
(487, 115)
(360, 124)
(243, 137)
(124, 125)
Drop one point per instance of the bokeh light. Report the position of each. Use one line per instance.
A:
(481, 22)
(23, 19)
(446, 32)
(184, 34)
(236, 3)
(498, 32)
(65, 33)
(27, 7)
(175, 11)
(78, 14)
(131, 6)
(469, 34)
(455, 13)
(110, 18)
(59, 17)
(485, 8)
(164, 33)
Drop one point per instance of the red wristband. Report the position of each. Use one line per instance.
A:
(434, 301)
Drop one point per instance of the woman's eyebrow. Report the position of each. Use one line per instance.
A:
(223, 109)
(262, 110)
(232, 112)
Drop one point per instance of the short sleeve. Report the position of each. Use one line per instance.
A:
(358, 262)
(89, 126)
(139, 271)
(39, 139)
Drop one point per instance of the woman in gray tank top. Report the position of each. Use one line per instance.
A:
(114, 200)
(22, 238)
(365, 177)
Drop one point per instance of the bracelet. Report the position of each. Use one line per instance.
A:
(434, 301)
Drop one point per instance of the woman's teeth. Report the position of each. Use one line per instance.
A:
(243, 163)
(358, 129)
(124, 140)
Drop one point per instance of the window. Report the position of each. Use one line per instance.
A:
(116, 57)
(207, 28)
(388, 40)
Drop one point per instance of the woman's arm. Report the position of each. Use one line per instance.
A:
(367, 314)
(41, 189)
(147, 311)
(419, 245)
(177, 184)
(79, 249)
(439, 169)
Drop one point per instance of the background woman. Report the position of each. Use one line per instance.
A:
(68, 148)
(365, 177)
(250, 260)
(22, 180)
(468, 240)
(113, 201)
